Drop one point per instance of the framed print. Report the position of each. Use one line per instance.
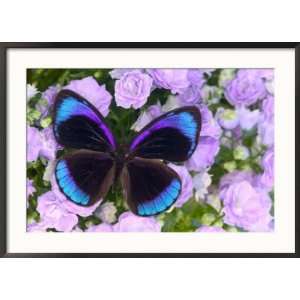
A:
(149, 149)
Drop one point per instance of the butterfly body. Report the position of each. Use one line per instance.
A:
(150, 186)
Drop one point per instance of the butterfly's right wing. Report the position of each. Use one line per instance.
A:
(85, 176)
(79, 125)
(171, 137)
(150, 186)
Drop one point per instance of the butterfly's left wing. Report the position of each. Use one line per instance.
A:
(85, 176)
(150, 186)
(171, 137)
(79, 125)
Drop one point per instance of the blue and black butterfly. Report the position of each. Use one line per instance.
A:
(86, 175)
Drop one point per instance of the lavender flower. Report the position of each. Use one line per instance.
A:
(210, 229)
(266, 122)
(210, 126)
(227, 118)
(50, 94)
(89, 88)
(190, 96)
(204, 154)
(106, 212)
(128, 222)
(176, 80)
(147, 116)
(48, 146)
(100, 228)
(266, 180)
(37, 226)
(236, 177)
(187, 184)
(118, 73)
(35, 144)
(209, 143)
(247, 118)
(246, 88)
(53, 214)
(201, 181)
(245, 205)
(133, 89)
(196, 76)
(40, 143)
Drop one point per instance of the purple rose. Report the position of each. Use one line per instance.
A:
(40, 143)
(50, 94)
(266, 122)
(201, 181)
(268, 108)
(245, 205)
(266, 132)
(106, 212)
(208, 145)
(37, 226)
(48, 98)
(53, 214)
(34, 142)
(128, 222)
(176, 80)
(196, 76)
(210, 126)
(210, 229)
(266, 180)
(247, 118)
(190, 96)
(69, 205)
(235, 177)
(100, 228)
(118, 73)
(187, 184)
(246, 88)
(49, 145)
(147, 116)
(204, 155)
(133, 89)
(89, 88)
(227, 118)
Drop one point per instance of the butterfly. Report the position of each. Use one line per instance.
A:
(86, 174)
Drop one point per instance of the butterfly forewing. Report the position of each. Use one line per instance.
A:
(150, 186)
(85, 176)
(79, 125)
(171, 137)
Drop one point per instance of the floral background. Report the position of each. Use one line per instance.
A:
(227, 183)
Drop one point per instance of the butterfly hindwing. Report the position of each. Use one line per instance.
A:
(79, 125)
(171, 137)
(85, 176)
(150, 186)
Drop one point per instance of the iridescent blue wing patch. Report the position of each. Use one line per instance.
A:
(150, 186)
(171, 137)
(79, 125)
(85, 176)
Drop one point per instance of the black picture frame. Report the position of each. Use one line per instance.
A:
(3, 143)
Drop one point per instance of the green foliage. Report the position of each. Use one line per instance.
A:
(189, 217)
